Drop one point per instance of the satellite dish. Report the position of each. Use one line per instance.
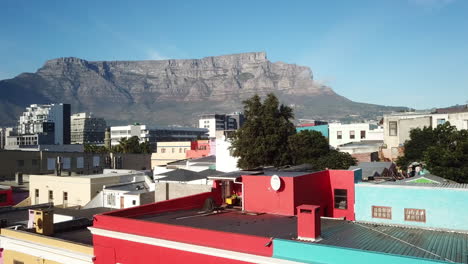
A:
(275, 182)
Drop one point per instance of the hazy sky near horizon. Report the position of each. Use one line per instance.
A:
(392, 52)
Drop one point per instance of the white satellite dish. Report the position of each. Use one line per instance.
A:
(275, 182)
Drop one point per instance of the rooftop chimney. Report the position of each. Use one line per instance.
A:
(308, 223)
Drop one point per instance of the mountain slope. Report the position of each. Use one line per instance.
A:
(174, 91)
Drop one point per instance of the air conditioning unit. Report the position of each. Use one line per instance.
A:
(44, 221)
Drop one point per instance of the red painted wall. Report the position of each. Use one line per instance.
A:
(343, 179)
(313, 189)
(260, 197)
(110, 251)
(9, 197)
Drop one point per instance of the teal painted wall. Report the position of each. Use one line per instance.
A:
(322, 129)
(316, 253)
(445, 208)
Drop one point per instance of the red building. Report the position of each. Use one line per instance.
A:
(200, 148)
(183, 229)
(6, 196)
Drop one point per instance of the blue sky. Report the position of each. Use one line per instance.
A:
(392, 52)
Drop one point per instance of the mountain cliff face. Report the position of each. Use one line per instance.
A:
(173, 91)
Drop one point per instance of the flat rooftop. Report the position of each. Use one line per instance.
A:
(414, 242)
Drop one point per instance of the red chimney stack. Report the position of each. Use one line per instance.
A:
(308, 222)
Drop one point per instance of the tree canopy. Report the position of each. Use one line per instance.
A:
(443, 149)
(132, 145)
(263, 139)
(268, 138)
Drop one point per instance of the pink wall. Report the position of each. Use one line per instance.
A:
(260, 197)
(199, 149)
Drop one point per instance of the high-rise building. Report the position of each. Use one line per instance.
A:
(87, 129)
(156, 134)
(2, 137)
(37, 119)
(219, 122)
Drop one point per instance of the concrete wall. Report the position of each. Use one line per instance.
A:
(166, 191)
(445, 208)
(404, 125)
(316, 253)
(36, 162)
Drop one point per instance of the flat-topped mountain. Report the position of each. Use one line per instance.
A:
(174, 91)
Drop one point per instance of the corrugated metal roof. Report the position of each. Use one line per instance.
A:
(427, 185)
(421, 243)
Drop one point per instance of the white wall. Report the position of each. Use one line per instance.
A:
(210, 124)
(345, 133)
(225, 162)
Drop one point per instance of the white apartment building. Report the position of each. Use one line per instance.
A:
(32, 121)
(119, 132)
(397, 127)
(340, 134)
(218, 122)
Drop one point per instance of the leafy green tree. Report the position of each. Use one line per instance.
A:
(443, 149)
(89, 148)
(132, 145)
(263, 139)
(334, 160)
(307, 146)
(421, 139)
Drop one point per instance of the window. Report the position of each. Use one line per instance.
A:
(351, 134)
(392, 128)
(134, 202)
(65, 196)
(339, 134)
(20, 163)
(363, 134)
(96, 161)
(163, 150)
(50, 164)
(180, 150)
(111, 199)
(341, 198)
(381, 212)
(173, 150)
(440, 121)
(17, 262)
(79, 162)
(415, 215)
(3, 198)
(36, 193)
(51, 195)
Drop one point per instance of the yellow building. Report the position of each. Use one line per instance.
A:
(169, 151)
(32, 246)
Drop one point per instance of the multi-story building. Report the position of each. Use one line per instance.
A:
(297, 217)
(397, 126)
(87, 129)
(217, 122)
(38, 119)
(156, 134)
(340, 134)
(169, 152)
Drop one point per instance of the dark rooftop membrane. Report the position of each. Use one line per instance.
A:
(414, 242)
